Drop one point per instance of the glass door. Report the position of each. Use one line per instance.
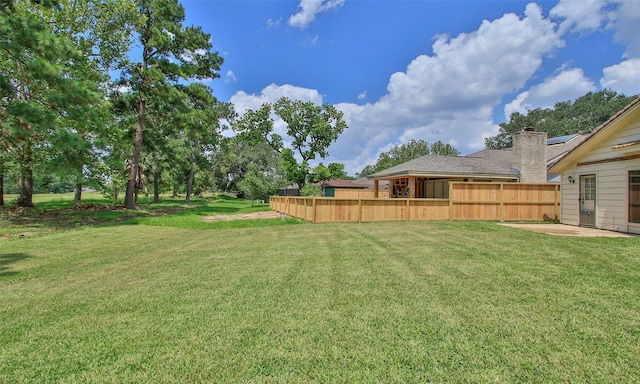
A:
(588, 200)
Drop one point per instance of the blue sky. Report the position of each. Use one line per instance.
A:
(422, 69)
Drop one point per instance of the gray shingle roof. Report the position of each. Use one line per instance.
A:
(450, 165)
(494, 162)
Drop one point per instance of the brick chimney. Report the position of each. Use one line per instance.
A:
(530, 155)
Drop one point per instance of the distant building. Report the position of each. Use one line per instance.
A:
(329, 187)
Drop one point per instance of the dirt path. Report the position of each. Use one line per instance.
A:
(243, 216)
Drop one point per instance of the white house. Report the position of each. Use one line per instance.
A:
(600, 177)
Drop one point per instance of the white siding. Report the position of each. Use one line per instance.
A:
(569, 195)
(603, 151)
(611, 182)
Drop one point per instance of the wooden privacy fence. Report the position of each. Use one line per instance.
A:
(359, 193)
(467, 201)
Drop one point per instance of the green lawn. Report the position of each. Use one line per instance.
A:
(57, 212)
(156, 300)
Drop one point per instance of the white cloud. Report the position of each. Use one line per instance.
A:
(587, 16)
(621, 15)
(450, 95)
(309, 9)
(243, 101)
(625, 19)
(580, 16)
(567, 85)
(270, 94)
(447, 96)
(230, 77)
(272, 24)
(312, 39)
(623, 77)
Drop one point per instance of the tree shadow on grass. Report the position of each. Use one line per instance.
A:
(56, 217)
(6, 259)
(209, 210)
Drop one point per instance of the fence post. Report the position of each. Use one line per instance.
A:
(408, 215)
(451, 201)
(359, 210)
(313, 210)
(556, 201)
(501, 201)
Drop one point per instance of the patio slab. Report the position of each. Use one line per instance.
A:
(568, 230)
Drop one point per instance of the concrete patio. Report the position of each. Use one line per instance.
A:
(568, 230)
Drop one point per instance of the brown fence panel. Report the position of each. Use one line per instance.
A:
(474, 192)
(329, 210)
(504, 201)
(529, 212)
(468, 201)
(384, 210)
(428, 209)
(475, 211)
(347, 193)
(529, 192)
(527, 201)
(278, 204)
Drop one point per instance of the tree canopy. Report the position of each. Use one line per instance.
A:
(583, 115)
(62, 115)
(49, 83)
(327, 172)
(171, 54)
(310, 130)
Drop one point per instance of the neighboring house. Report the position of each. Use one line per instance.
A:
(291, 190)
(601, 176)
(329, 187)
(382, 185)
(429, 176)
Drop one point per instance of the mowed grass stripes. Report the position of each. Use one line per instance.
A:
(384, 302)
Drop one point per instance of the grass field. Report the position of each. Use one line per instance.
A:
(57, 212)
(157, 299)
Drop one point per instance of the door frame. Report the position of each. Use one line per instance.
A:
(587, 200)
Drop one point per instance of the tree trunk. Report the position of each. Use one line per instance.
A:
(26, 178)
(1, 189)
(156, 187)
(116, 192)
(78, 198)
(189, 184)
(26, 190)
(192, 165)
(131, 194)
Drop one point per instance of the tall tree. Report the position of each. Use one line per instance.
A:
(102, 30)
(201, 128)
(48, 82)
(170, 54)
(310, 128)
(580, 116)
